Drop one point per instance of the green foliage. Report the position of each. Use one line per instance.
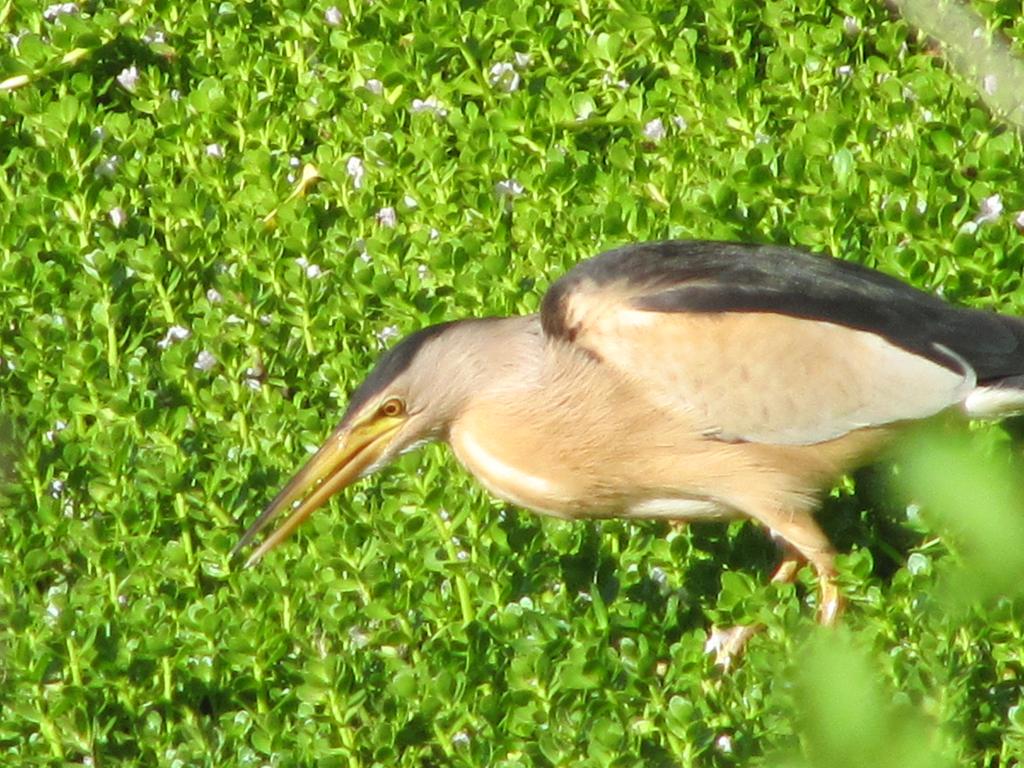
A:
(978, 509)
(849, 721)
(179, 326)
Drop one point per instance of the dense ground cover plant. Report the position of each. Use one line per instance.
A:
(214, 215)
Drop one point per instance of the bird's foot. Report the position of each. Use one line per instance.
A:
(728, 643)
(831, 601)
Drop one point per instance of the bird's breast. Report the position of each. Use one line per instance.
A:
(501, 462)
(537, 477)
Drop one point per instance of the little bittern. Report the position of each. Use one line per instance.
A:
(677, 380)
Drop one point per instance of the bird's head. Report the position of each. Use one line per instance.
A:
(409, 398)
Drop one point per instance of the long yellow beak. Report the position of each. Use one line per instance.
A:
(348, 453)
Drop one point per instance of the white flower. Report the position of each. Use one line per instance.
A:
(58, 426)
(504, 77)
(385, 334)
(410, 202)
(374, 86)
(851, 26)
(332, 16)
(1019, 221)
(312, 271)
(387, 217)
(107, 167)
(431, 105)
(129, 78)
(990, 210)
(356, 171)
(205, 361)
(523, 60)
(364, 256)
(724, 743)
(56, 10)
(654, 130)
(508, 189)
(919, 563)
(358, 637)
(680, 122)
(460, 740)
(990, 83)
(215, 150)
(844, 70)
(174, 334)
(118, 217)
(213, 296)
(659, 577)
(609, 79)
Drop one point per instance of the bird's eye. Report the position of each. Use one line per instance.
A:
(392, 407)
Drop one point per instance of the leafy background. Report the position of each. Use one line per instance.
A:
(182, 316)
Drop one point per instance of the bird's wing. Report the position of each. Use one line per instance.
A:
(772, 344)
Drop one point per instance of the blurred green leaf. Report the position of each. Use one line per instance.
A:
(848, 718)
(975, 496)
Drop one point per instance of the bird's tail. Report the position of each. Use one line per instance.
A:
(996, 399)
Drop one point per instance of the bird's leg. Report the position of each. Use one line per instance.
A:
(790, 564)
(728, 644)
(831, 600)
(802, 539)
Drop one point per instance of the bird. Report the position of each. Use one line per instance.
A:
(680, 380)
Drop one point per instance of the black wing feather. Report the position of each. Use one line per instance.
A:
(709, 277)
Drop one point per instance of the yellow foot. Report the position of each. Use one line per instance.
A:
(728, 643)
(831, 602)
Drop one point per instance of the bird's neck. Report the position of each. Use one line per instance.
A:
(508, 357)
